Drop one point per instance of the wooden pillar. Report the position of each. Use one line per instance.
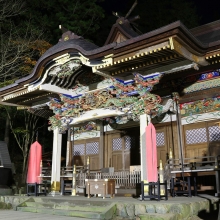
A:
(72, 147)
(101, 146)
(56, 162)
(69, 152)
(179, 132)
(74, 181)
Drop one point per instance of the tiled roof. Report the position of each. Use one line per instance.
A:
(207, 33)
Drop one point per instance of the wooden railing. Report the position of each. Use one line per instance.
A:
(193, 163)
(123, 178)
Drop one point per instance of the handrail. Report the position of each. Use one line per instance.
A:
(175, 163)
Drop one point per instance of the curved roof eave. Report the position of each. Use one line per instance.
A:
(169, 27)
(89, 49)
(58, 48)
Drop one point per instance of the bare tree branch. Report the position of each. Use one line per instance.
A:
(16, 41)
(10, 8)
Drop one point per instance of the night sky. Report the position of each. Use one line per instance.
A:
(208, 10)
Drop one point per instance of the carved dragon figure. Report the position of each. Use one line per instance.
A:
(122, 102)
(149, 82)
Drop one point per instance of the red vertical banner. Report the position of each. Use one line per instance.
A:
(151, 153)
(34, 163)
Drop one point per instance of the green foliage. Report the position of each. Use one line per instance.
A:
(20, 130)
(6, 83)
(82, 17)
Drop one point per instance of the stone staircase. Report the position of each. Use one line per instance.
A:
(81, 209)
(156, 216)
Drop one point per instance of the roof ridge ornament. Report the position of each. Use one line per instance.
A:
(131, 9)
(124, 28)
(67, 34)
(123, 19)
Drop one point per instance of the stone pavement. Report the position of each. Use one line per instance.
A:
(15, 215)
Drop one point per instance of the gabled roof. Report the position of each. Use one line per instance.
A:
(121, 31)
(207, 33)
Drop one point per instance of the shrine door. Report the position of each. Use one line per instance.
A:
(83, 149)
(119, 151)
(123, 150)
(166, 139)
(162, 148)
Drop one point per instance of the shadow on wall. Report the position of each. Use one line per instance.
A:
(214, 148)
(77, 159)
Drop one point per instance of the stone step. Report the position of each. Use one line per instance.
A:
(61, 212)
(157, 216)
(83, 209)
(67, 206)
(71, 202)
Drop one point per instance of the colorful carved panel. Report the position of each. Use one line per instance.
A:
(132, 98)
(65, 69)
(88, 127)
(202, 86)
(200, 106)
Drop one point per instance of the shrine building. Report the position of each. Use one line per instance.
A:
(105, 96)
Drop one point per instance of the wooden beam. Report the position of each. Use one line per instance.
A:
(181, 49)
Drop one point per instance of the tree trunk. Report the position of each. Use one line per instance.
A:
(7, 129)
(24, 170)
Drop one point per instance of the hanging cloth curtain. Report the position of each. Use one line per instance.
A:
(151, 153)
(34, 163)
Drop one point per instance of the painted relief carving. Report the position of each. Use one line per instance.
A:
(200, 106)
(203, 85)
(87, 127)
(131, 97)
(66, 69)
(80, 89)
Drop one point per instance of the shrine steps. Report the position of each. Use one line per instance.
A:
(156, 216)
(118, 208)
(81, 209)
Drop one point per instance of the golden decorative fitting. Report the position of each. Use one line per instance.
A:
(73, 192)
(55, 186)
(170, 154)
(66, 38)
(161, 165)
(146, 187)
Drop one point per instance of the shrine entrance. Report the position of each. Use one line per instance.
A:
(123, 149)
(84, 149)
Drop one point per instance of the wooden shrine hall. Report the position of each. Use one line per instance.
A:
(104, 97)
